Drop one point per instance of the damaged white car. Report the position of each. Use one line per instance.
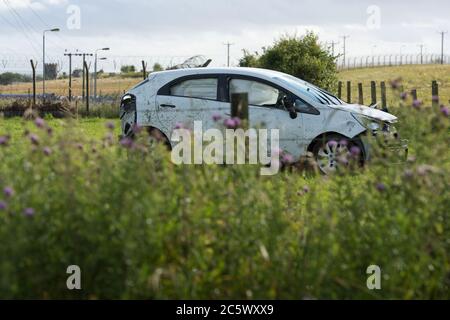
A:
(307, 117)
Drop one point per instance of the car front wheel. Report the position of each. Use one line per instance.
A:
(335, 151)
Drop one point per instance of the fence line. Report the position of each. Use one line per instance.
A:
(390, 60)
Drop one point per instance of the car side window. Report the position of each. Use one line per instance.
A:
(259, 94)
(205, 88)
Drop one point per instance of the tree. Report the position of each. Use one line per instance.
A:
(157, 67)
(127, 69)
(302, 57)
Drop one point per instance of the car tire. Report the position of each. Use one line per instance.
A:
(334, 151)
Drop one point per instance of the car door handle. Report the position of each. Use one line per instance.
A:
(167, 106)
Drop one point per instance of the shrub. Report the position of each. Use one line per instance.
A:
(302, 57)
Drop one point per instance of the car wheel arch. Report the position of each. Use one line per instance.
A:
(356, 139)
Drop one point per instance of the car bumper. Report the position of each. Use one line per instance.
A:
(398, 149)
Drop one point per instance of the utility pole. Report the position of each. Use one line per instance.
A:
(33, 67)
(86, 68)
(333, 43)
(345, 37)
(95, 70)
(228, 52)
(442, 45)
(421, 52)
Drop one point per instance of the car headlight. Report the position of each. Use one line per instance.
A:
(369, 123)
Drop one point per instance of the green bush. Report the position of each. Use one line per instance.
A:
(141, 227)
(302, 57)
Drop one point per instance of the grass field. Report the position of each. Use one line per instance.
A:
(141, 227)
(414, 77)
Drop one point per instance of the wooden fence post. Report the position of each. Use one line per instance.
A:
(373, 92)
(86, 71)
(340, 89)
(144, 69)
(435, 93)
(349, 91)
(239, 106)
(360, 93)
(33, 67)
(383, 96)
(414, 94)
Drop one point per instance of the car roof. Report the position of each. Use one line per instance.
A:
(265, 73)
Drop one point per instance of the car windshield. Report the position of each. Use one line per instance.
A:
(310, 90)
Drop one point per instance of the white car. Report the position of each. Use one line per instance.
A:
(307, 117)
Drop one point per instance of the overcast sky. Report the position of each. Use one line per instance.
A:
(169, 30)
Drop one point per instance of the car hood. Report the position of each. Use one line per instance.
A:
(367, 112)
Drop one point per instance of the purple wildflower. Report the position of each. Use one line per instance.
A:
(395, 84)
(126, 142)
(47, 151)
(230, 123)
(136, 128)
(237, 121)
(445, 111)
(216, 117)
(332, 143)
(404, 95)
(355, 151)
(3, 205)
(305, 189)
(79, 146)
(49, 131)
(287, 159)
(179, 126)
(435, 98)
(381, 186)
(29, 212)
(417, 103)
(8, 191)
(343, 143)
(110, 125)
(4, 140)
(34, 139)
(39, 122)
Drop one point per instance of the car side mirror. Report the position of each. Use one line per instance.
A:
(290, 107)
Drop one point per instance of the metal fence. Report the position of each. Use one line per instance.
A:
(390, 60)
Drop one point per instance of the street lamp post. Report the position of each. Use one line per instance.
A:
(95, 70)
(43, 58)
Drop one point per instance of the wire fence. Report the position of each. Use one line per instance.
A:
(390, 60)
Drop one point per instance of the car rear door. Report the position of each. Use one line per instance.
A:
(188, 99)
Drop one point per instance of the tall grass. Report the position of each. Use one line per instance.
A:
(141, 227)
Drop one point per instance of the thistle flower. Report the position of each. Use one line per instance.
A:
(445, 111)
(230, 123)
(29, 212)
(3, 205)
(34, 139)
(395, 84)
(179, 126)
(8, 192)
(39, 122)
(47, 151)
(355, 151)
(287, 159)
(4, 140)
(332, 143)
(404, 95)
(417, 103)
(380, 187)
(216, 117)
(305, 189)
(237, 121)
(110, 125)
(435, 98)
(126, 142)
(343, 143)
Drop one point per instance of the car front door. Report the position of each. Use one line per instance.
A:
(267, 111)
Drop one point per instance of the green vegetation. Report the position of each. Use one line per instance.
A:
(302, 57)
(141, 227)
